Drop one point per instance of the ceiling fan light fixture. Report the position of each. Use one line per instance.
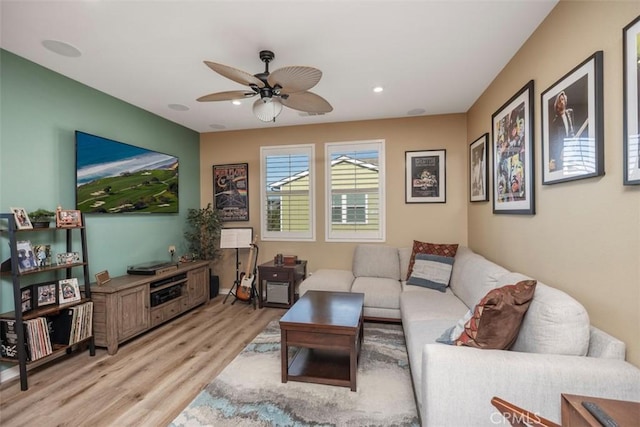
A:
(267, 109)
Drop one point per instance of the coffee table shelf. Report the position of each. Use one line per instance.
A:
(320, 367)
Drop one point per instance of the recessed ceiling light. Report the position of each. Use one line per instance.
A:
(236, 102)
(217, 126)
(416, 111)
(61, 48)
(378, 89)
(178, 107)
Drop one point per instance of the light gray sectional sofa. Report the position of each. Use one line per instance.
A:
(556, 351)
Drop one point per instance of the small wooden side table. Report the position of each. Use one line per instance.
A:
(272, 276)
(625, 413)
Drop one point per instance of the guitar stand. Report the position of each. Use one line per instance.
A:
(254, 293)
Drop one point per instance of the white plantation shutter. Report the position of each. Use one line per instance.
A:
(355, 191)
(287, 183)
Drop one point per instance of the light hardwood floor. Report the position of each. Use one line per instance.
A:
(147, 383)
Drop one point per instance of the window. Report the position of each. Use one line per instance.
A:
(287, 183)
(355, 191)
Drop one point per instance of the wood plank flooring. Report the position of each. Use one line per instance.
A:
(147, 383)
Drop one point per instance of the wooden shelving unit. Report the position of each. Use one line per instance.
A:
(13, 234)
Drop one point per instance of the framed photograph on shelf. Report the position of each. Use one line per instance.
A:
(231, 191)
(478, 169)
(69, 291)
(26, 257)
(425, 176)
(68, 218)
(66, 258)
(45, 294)
(631, 96)
(22, 219)
(26, 295)
(43, 255)
(573, 124)
(512, 153)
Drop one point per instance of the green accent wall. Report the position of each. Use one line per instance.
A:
(40, 110)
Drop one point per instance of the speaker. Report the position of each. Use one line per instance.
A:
(214, 286)
(278, 292)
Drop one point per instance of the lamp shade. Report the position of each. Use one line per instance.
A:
(267, 109)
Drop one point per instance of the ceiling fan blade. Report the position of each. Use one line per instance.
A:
(234, 74)
(294, 79)
(308, 102)
(227, 96)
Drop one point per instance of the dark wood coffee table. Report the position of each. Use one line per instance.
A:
(326, 328)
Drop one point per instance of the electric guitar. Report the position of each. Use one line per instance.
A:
(243, 293)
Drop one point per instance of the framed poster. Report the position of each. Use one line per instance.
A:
(478, 169)
(425, 176)
(512, 153)
(231, 191)
(573, 124)
(631, 95)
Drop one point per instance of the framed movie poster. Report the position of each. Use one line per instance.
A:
(425, 176)
(573, 124)
(631, 94)
(478, 169)
(231, 191)
(512, 152)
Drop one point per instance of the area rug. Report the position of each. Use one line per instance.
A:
(249, 391)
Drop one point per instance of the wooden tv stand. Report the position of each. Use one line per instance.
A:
(123, 306)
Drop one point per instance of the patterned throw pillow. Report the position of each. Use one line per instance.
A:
(497, 318)
(431, 271)
(441, 249)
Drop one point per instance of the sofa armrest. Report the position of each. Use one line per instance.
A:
(459, 382)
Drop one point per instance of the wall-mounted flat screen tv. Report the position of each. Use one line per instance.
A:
(113, 177)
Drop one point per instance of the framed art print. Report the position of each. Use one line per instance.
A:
(425, 176)
(46, 294)
(22, 219)
(231, 191)
(631, 95)
(512, 153)
(478, 169)
(573, 124)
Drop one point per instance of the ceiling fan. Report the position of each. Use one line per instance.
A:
(286, 86)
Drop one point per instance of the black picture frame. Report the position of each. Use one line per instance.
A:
(45, 294)
(231, 191)
(512, 154)
(573, 124)
(631, 100)
(479, 169)
(426, 176)
(26, 296)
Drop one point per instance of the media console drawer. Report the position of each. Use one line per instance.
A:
(129, 305)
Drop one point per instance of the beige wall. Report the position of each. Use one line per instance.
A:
(585, 236)
(444, 223)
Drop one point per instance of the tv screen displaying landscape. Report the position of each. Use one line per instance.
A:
(113, 177)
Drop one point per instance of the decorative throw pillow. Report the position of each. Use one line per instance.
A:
(431, 271)
(497, 318)
(451, 335)
(441, 249)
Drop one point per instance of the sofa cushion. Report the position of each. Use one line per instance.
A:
(554, 324)
(405, 256)
(418, 303)
(431, 271)
(378, 291)
(442, 249)
(497, 318)
(327, 280)
(376, 261)
(473, 276)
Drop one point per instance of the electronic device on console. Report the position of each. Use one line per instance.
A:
(166, 294)
(151, 268)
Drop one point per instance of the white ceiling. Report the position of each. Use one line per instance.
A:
(431, 57)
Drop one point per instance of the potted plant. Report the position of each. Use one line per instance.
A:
(41, 218)
(203, 236)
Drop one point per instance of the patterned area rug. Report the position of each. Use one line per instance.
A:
(249, 391)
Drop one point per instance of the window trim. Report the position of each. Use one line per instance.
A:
(276, 150)
(378, 235)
